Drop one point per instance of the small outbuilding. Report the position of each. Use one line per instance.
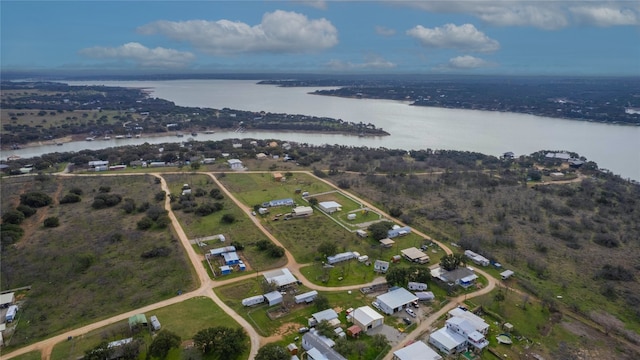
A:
(235, 164)
(506, 274)
(380, 266)
(398, 231)
(386, 242)
(225, 270)
(415, 255)
(137, 321)
(273, 298)
(362, 233)
(231, 258)
(301, 211)
(329, 206)
(306, 297)
(7, 299)
(425, 295)
(367, 318)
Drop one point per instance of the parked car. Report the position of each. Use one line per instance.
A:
(415, 304)
(376, 305)
(303, 330)
(410, 312)
(407, 321)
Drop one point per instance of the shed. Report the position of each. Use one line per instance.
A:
(413, 254)
(277, 176)
(242, 266)
(225, 269)
(263, 210)
(416, 350)
(395, 300)
(306, 297)
(386, 242)
(155, 323)
(235, 164)
(354, 331)
(292, 349)
(328, 315)
(273, 298)
(351, 216)
(137, 320)
(329, 206)
(7, 299)
(231, 258)
(367, 318)
(381, 266)
(506, 274)
(362, 233)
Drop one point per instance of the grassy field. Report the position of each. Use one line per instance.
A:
(89, 267)
(32, 355)
(241, 230)
(184, 319)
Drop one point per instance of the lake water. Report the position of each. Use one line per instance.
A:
(613, 147)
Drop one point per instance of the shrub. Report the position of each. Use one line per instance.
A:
(228, 218)
(216, 194)
(13, 217)
(615, 273)
(606, 240)
(104, 189)
(10, 233)
(104, 200)
(70, 198)
(154, 212)
(144, 206)
(263, 244)
(161, 195)
(76, 191)
(199, 192)
(145, 223)
(161, 251)
(276, 251)
(129, 205)
(51, 222)
(26, 210)
(237, 245)
(35, 199)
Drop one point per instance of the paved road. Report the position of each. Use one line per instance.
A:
(206, 284)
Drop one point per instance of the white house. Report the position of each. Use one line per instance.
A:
(417, 350)
(463, 327)
(381, 266)
(329, 206)
(367, 318)
(280, 277)
(478, 323)
(235, 164)
(447, 341)
(395, 300)
(301, 211)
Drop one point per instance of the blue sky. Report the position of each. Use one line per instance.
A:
(510, 37)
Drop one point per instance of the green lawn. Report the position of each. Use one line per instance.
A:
(184, 319)
(32, 355)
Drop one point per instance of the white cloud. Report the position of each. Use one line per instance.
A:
(464, 37)
(279, 32)
(141, 54)
(468, 62)
(371, 62)
(385, 31)
(318, 4)
(605, 16)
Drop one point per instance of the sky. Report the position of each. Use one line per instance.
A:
(506, 37)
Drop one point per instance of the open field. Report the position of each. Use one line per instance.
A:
(184, 319)
(241, 230)
(89, 267)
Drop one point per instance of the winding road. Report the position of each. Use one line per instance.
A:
(207, 284)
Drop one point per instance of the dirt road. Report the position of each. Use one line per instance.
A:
(206, 284)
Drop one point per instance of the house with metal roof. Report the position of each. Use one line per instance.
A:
(235, 164)
(327, 315)
(415, 351)
(280, 277)
(395, 300)
(319, 347)
(415, 255)
(381, 266)
(478, 323)
(463, 327)
(273, 298)
(367, 318)
(448, 342)
(231, 258)
(329, 206)
(398, 231)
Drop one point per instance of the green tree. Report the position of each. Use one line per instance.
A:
(419, 274)
(272, 352)
(228, 218)
(225, 342)
(398, 276)
(327, 248)
(51, 222)
(163, 342)
(160, 196)
(325, 329)
(313, 201)
(35, 199)
(321, 302)
(195, 165)
(145, 223)
(452, 261)
(13, 217)
(380, 229)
